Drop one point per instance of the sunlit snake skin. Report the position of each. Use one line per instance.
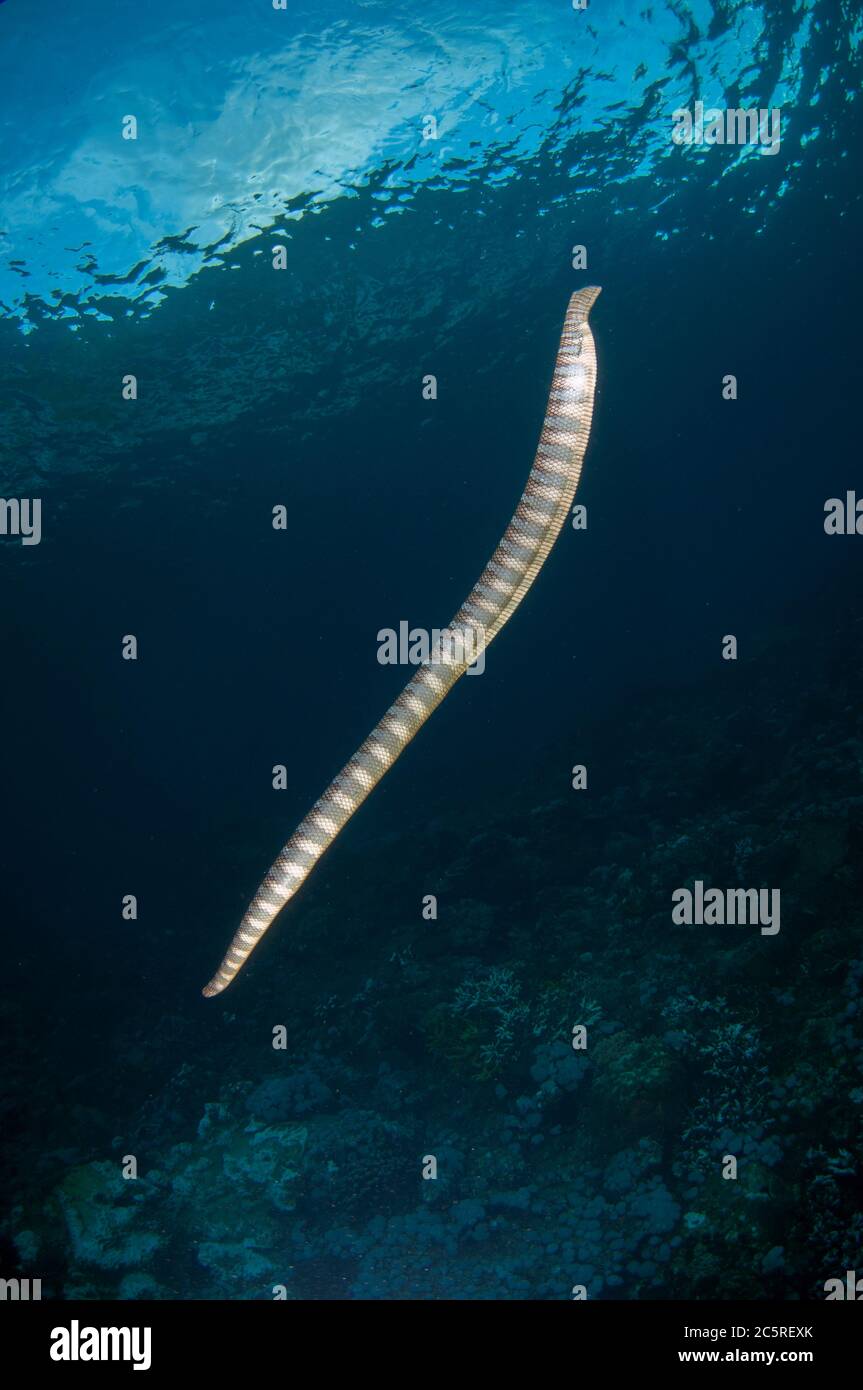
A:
(538, 518)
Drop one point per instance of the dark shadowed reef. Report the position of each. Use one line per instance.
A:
(452, 1038)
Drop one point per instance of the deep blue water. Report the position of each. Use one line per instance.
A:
(257, 647)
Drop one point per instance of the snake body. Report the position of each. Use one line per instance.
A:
(539, 516)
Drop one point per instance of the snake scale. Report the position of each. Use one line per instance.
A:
(538, 519)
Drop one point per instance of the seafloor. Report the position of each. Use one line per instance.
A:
(301, 1168)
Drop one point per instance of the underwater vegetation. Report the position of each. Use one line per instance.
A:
(300, 1168)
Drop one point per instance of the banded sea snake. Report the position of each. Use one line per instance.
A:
(538, 519)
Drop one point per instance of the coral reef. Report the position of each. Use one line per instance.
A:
(429, 1130)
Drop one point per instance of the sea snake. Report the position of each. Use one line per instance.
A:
(539, 516)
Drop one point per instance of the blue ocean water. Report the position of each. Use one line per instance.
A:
(408, 254)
